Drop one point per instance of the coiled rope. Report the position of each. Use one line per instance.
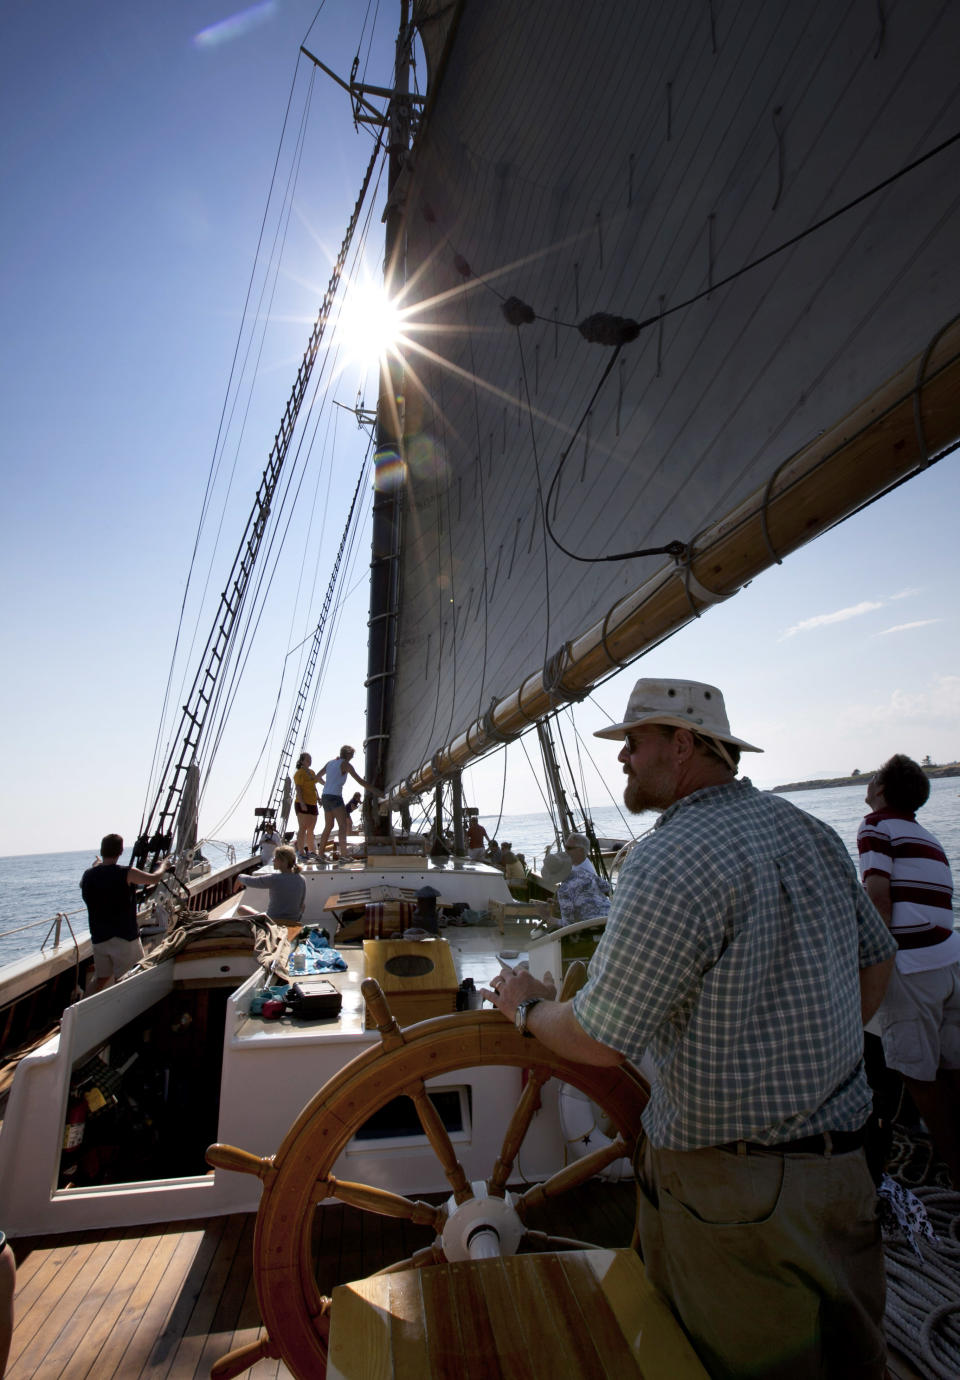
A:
(922, 1319)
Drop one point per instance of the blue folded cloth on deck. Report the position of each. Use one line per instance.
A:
(320, 958)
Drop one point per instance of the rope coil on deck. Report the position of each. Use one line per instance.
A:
(922, 1318)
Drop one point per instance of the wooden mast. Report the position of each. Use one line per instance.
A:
(388, 492)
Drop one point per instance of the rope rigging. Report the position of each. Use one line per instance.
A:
(156, 835)
(269, 569)
(220, 439)
(275, 796)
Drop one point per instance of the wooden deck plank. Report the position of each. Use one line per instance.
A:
(89, 1326)
(86, 1264)
(199, 1304)
(161, 1359)
(155, 1257)
(248, 1329)
(168, 1300)
(31, 1305)
(168, 1276)
(219, 1338)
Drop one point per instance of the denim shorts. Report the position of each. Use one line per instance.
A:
(332, 802)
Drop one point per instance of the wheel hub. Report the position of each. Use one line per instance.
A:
(479, 1214)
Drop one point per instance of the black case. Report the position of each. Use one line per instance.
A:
(313, 999)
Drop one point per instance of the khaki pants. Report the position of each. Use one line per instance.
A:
(773, 1263)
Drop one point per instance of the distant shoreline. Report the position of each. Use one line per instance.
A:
(950, 769)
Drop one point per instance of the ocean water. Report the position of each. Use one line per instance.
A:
(34, 887)
(842, 807)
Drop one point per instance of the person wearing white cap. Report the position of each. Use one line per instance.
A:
(743, 957)
(583, 894)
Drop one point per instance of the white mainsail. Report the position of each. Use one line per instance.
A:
(629, 159)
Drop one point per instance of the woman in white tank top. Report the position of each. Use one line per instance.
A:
(333, 776)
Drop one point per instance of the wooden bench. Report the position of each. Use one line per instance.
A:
(518, 910)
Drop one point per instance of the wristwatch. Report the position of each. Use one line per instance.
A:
(523, 1011)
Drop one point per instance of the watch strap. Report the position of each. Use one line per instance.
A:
(523, 1011)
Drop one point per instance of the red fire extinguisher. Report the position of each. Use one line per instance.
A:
(76, 1119)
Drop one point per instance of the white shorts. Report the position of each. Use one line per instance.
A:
(476, 854)
(920, 1022)
(114, 957)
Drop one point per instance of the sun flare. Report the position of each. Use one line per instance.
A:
(370, 325)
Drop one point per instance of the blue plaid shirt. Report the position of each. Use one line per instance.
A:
(731, 956)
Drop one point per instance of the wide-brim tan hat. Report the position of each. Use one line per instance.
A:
(556, 869)
(681, 703)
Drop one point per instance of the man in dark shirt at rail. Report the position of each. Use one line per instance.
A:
(108, 890)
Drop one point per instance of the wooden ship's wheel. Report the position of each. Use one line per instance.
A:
(479, 1219)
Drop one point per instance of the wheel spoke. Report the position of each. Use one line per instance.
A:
(240, 1360)
(572, 1176)
(383, 1018)
(379, 1200)
(442, 1146)
(519, 1126)
(575, 977)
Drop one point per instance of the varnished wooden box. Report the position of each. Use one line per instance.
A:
(417, 977)
(579, 1313)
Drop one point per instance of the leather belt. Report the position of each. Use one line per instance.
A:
(827, 1143)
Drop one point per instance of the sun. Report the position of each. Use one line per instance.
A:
(370, 324)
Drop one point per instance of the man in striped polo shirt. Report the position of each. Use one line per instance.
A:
(907, 876)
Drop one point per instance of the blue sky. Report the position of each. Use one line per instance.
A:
(138, 151)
